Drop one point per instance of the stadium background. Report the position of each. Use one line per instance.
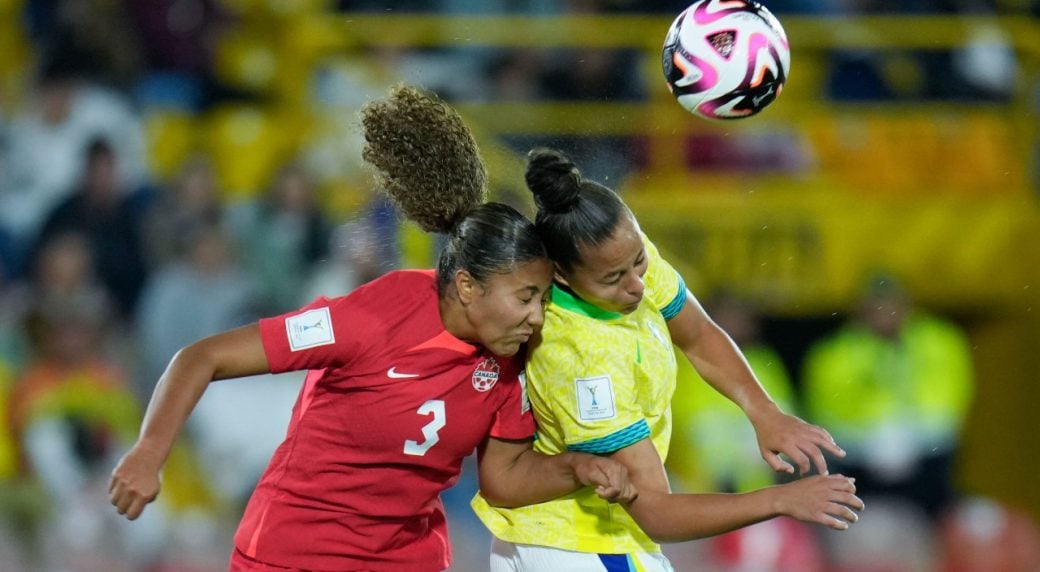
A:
(906, 141)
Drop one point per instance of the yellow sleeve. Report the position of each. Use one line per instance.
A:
(665, 289)
(584, 392)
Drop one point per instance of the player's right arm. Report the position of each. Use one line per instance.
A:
(669, 517)
(235, 353)
(513, 474)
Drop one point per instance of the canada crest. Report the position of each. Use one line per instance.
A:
(486, 375)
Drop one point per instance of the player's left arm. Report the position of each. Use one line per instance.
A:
(513, 474)
(718, 360)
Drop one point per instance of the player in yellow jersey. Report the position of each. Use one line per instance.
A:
(600, 378)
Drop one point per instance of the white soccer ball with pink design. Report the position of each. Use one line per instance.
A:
(726, 59)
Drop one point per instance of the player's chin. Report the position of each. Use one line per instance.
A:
(506, 348)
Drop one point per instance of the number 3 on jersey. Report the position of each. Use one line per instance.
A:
(429, 431)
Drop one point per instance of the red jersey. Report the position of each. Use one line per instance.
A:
(390, 407)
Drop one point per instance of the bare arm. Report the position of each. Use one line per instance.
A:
(513, 474)
(718, 360)
(235, 353)
(670, 517)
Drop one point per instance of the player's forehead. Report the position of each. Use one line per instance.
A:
(534, 276)
(616, 253)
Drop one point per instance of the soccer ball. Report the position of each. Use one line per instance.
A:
(726, 59)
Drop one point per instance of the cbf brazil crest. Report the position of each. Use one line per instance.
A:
(486, 375)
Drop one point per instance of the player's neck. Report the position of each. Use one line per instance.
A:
(455, 319)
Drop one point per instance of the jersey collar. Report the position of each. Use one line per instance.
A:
(564, 298)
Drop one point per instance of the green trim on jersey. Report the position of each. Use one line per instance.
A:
(616, 441)
(568, 300)
(672, 309)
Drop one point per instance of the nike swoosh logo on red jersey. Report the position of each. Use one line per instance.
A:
(393, 374)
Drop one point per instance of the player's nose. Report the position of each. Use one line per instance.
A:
(537, 316)
(635, 286)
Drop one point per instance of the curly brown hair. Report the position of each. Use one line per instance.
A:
(427, 160)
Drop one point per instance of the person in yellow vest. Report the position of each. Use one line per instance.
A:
(713, 443)
(714, 450)
(600, 378)
(894, 385)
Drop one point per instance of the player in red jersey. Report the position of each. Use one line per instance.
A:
(406, 376)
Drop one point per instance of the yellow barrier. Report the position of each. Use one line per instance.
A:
(308, 38)
(803, 253)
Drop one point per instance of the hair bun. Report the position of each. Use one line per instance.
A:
(553, 179)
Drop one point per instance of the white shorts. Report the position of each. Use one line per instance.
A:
(509, 557)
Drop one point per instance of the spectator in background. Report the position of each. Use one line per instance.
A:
(983, 535)
(714, 450)
(179, 40)
(208, 279)
(281, 237)
(715, 446)
(95, 36)
(100, 210)
(46, 146)
(190, 202)
(355, 258)
(72, 413)
(13, 295)
(894, 385)
(11, 523)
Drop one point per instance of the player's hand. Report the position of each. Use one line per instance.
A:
(608, 476)
(828, 500)
(801, 442)
(134, 482)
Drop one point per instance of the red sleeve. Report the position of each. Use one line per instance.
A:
(514, 419)
(324, 333)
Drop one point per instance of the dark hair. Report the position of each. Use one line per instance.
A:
(98, 148)
(429, 165)
(492, 239)
(572, 210)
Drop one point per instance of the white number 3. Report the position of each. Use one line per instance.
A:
(429, 431)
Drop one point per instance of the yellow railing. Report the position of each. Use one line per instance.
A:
(306, 39)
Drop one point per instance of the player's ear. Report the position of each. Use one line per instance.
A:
(466, 286)
(558, 275)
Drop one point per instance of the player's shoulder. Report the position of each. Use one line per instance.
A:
(397, 289)
(384, 301)
(564, 353)
(406, 280)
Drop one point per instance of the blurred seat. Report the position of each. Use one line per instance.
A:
(168, 90)
(171, 137)
(247, 143)
(14, 50)
(274, 9)
(246, 59)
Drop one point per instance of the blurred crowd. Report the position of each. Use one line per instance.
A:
(108, 268)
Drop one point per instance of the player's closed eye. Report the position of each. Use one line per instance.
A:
(641, 264)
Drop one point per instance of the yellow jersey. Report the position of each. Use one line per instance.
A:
(598, 382)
